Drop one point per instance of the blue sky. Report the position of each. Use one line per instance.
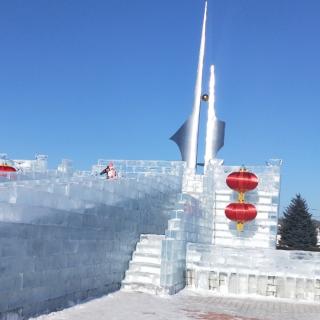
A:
(96, 79)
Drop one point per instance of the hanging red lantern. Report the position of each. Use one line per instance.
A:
(7, 171)
(241, 212)
(242, 181)
(6, 168)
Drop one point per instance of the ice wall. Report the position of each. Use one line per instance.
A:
(254, 271)
(183, 227)
(190, 222)
(262, 231)
(247, 263)
(199, 217)
(66, 237)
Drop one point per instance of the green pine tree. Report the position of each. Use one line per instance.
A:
(298, 231)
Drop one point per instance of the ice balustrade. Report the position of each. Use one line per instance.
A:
(65, 166)
(259, 271)
(136, 168)
(254, 260)
(37, 170)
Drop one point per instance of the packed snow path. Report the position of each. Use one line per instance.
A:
(185, 306)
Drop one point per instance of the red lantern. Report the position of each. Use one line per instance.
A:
(6, 168)
(242, 181)
(7, 171)
(241, 212)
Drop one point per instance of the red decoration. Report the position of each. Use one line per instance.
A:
(242, 181)
(7, 168)
(7, 172)
(241, 211)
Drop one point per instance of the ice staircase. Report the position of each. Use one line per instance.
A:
(143, 274)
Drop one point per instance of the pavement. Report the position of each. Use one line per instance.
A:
(186, 305)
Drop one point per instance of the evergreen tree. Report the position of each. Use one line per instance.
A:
(298, 231)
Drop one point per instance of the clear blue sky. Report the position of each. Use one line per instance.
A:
(96, 79)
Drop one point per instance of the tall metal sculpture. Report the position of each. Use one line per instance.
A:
(215, 127)
(187, 136)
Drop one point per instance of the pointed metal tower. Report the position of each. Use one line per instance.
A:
(215, 127)
(187, 136)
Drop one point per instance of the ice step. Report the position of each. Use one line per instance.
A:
(169, 206)
(147, 248)
(142, 287)
(154, 268)
(146, 257)
(151, 239)
(145, 267)
(142, 277)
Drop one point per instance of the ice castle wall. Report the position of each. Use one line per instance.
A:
(254, 271)
(190, 222)
(247, 263)
(260, 232)
(64, 239)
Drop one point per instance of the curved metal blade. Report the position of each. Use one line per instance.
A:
(182, 138)
(217, 141)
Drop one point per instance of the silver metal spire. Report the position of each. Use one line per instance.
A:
(215, 127)
(187, 136)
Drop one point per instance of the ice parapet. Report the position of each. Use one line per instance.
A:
(256, 271)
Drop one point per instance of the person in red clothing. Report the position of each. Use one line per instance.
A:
(112, 173)
(109, 171)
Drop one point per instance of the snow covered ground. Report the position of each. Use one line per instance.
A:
(185, 306)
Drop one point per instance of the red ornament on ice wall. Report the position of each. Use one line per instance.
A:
(7, 171)
(242, 181)
(241, 212)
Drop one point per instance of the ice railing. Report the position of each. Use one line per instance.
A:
(254, 261)
(125, 169)
(136, 168)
